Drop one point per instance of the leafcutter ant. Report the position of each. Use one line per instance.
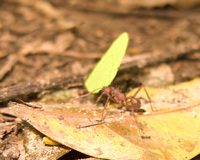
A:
(131, 103)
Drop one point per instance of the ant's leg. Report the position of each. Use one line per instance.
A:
(137, 91)
(104, 93)
(148, 98)
(85, 95)
(90, 125)
(103, 117)
(98, 99)
(105, 106)
(136, 121)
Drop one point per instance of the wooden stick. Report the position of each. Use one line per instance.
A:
(29, 88)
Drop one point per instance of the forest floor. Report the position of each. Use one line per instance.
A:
(51, 39)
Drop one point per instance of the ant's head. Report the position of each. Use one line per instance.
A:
(106, 89)
(135, 103)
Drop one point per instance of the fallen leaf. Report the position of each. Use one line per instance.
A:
(99, 141)
(172, 133)
(35, 149)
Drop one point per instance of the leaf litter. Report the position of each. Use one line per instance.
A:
(169, 133)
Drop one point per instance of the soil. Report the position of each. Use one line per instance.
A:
(45, 40)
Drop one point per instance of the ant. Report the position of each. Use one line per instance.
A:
(118, 97)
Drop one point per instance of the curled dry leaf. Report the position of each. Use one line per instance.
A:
(172, 133)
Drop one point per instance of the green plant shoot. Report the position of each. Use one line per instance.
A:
(106, 69)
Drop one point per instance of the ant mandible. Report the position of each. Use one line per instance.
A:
(118, 97)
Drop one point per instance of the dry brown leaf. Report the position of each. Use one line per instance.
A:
(169, 134)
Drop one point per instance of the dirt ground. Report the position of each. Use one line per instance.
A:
(42, 40)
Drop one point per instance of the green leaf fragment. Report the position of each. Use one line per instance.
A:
(106, 69)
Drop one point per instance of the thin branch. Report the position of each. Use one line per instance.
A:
(29, 88)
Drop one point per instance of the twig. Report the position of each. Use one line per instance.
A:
(29, 88)
(81, 55)
(145, 59)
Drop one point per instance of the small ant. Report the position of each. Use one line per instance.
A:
(118, 97)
